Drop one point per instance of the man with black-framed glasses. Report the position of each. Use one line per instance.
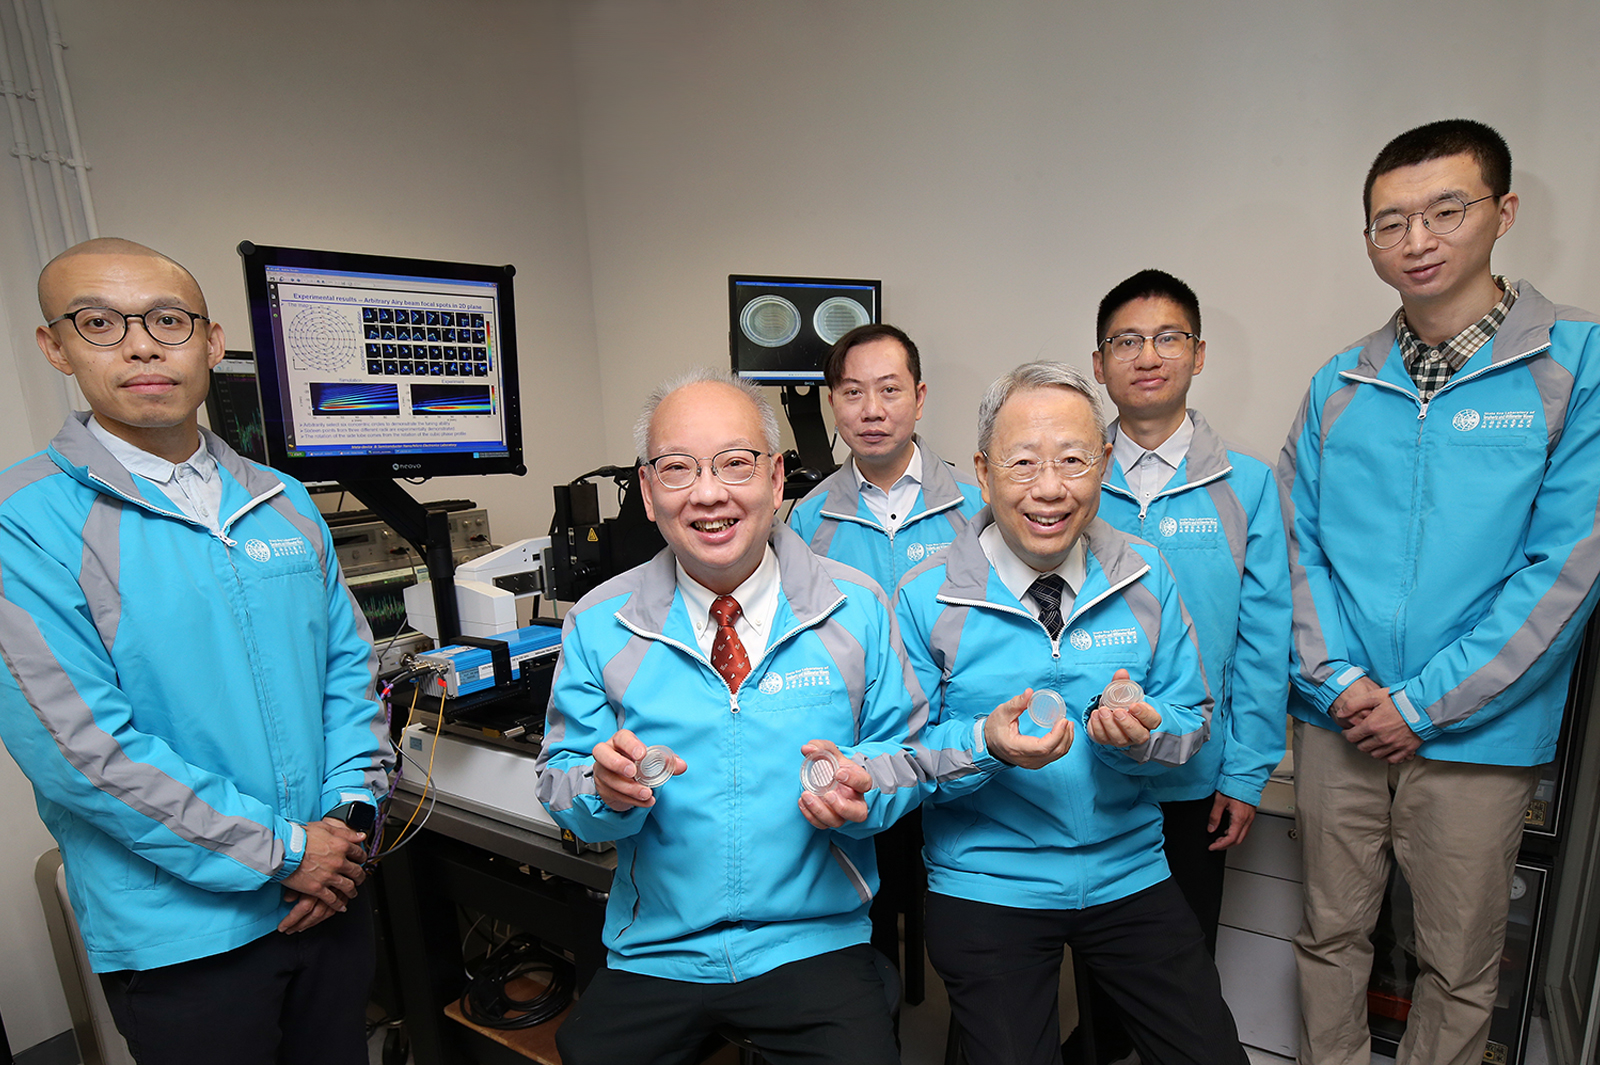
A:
(1444, 547)
(741, 895)
(189, 690)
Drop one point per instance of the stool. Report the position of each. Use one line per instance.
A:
(750, 1054)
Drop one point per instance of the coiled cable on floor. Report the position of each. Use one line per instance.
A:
(486, 1002)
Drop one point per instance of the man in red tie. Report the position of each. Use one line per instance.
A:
(740, 898)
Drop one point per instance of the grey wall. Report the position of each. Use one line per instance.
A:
(999, 164)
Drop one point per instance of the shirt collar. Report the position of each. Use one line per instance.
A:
(912, 475)
(153, 467)
(757, 596)
(1018, 576)
(1172, 450)
(1464, 345)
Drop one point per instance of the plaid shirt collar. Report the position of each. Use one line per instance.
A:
(1431, 367)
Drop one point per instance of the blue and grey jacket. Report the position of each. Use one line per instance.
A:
(723, 879)
(835, 521)
(1219, 525)
(1448, 549)
(184, 702)
(1082, 830)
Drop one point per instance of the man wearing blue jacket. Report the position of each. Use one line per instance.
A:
(1037, 593)
(1214, 513)
(739, 899)
(188, 686)
(1444, 551)
(895, 502)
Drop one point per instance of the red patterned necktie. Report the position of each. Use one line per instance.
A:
(727, 652)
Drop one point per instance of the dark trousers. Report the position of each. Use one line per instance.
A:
(280, 1000)
(1001, 967)
(826, 1010)
(1198, 872)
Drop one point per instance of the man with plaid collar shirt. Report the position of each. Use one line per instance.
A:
(1443, 554)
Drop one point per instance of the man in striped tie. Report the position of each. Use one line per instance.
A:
(740, 899)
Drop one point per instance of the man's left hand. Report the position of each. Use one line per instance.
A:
(1384, 734)
(845, 802)
(1239, 815)
(308, 912)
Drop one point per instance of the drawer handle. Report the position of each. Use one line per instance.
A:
(1294, 833)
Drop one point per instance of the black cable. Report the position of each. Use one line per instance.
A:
(486, 1002)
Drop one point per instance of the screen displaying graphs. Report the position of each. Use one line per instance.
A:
(377, 363)
(233, 406)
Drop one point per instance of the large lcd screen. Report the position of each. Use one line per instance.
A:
(373, 366)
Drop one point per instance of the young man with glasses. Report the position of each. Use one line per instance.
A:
(1444, 550)
(189, 689)
(740, 899)
(1214, 513)
(1062, 846)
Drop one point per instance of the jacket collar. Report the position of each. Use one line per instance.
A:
(940, 489)
(1525, 331)
(807, 592)
(1206, 460)
(83, 458)
(969, 578)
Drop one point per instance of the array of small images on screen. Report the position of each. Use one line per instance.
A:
(425, 343)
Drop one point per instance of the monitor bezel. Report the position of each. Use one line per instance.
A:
(258, 258)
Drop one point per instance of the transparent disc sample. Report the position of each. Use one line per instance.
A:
(770, 321)
(655, 768)
(1121, 694)
(1047, 708)
(820, 773)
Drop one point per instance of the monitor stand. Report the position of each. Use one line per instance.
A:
(426, 530)
(804, 411)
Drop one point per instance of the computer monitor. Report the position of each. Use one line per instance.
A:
(377, 367)
(782, 328)
(233, 406)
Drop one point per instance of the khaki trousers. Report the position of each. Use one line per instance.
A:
(1455, 828)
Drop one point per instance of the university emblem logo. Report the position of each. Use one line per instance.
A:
(915, 552)
(257, 550)
(1080, 639)
(1466, 420)
(771, 684)
(1168, 526)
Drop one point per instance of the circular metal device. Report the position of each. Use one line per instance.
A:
(1121, 694)
(836, 316)
(1047, 707)
(820, 773)
(655, 768)
(770, 321)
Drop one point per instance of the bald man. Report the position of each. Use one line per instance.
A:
(188, 686)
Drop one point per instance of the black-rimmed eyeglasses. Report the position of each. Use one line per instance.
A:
(1125, 347)
(105, 328)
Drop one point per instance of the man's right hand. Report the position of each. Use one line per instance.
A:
(616, 763)
(330, 869)
(1008, 743)
(1357, 701)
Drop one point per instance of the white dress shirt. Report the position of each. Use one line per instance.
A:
(1149, 471)
(758, 605)
(1018, 576)
(193, 485)
(891, 508)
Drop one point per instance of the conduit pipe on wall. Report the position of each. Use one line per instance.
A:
(19, 147)
(47, 126)
(79, 165)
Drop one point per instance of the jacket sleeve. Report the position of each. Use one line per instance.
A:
(893, 715)
(1253, 732)
(69, 725)
(1320, 666)
(359, 756)
(1537, 614)
(579, 718)
(955, 759)
(1174, 684)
